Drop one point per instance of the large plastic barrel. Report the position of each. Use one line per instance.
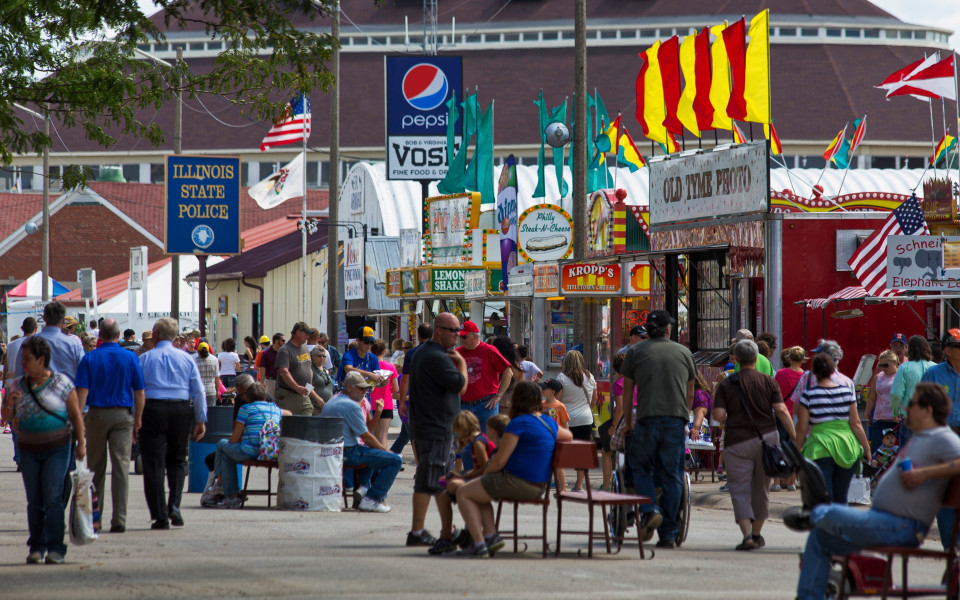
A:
(311, 463)
(219, 427)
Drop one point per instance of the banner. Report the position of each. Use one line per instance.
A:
(446, 224)
(353, 269)
(280, 186)
(507, 217)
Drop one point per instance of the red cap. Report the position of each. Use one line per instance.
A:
(468, 327)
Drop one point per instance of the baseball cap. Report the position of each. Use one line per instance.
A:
(887, 432)
(639, 330)
(551, 384)
(146, 335)
(366, 334)
(204, 345)
(468, 327)
(899, 337)
(264, 339)
(660, 318)
(301, 326)
(952, 338)
(69, 321)
(356, 379)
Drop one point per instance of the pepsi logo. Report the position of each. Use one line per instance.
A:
(425, 86)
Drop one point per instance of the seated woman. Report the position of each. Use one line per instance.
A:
(244, 444)
(519, 470)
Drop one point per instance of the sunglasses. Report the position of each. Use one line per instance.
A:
(452, 329)
(883, 365)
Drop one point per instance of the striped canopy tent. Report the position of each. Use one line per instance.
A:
(31, 287)
(848, 293)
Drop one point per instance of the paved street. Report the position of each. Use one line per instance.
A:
(260, 553)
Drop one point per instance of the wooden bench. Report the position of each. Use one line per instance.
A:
(269, 465)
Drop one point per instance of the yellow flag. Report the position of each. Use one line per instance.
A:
(654, 111)
(688, 61)
(720, 80)
(757, 86)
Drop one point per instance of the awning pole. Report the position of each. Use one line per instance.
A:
(805, 327)
(925, 326)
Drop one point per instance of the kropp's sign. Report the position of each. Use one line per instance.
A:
(709, 185)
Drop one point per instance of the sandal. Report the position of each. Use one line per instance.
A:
(744, 545)
(758, 541)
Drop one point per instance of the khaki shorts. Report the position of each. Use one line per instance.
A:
(507, 485)
(295, 403)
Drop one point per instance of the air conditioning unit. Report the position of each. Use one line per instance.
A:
(848, 240)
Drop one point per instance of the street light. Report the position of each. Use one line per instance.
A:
(45, 223)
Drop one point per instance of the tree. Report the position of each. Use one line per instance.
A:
(77, 62)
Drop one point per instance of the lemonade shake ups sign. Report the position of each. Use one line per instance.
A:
(202, 205)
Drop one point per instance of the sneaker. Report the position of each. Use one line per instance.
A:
(358, 495)
(797, 519)
(234, 502)
(35, 557)
(214, 501)
(443, 547)
(649, 523)
(725, 487)
(666, 544)
(6, 429)
(54, 558)
(463, 538)
(494, 543)
(368, 504)
(775, 487)
(475, 552)
(422, 539)
(791, 488)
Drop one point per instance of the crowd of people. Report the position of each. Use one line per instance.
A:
(484, 420)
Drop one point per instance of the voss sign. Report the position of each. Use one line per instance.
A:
(417, 89)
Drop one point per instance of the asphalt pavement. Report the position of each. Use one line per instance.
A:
(267, 553)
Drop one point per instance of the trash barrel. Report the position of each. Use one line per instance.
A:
(219, 427)
(311, 463)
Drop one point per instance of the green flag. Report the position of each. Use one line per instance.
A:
(559, 115)
(483, 157)
(453, 182)
(542, 121)
(601, 120)
(471, 116)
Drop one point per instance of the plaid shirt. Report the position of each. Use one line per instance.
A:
(209, 368)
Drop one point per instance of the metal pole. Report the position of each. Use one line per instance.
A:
(580, 168)
(175, 262)
(303, 232)
(202, 259)
(45, 226)
(333, 260)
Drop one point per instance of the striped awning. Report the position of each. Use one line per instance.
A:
(848, 293)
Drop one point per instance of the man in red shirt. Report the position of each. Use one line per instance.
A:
(488, 375)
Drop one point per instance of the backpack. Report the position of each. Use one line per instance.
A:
(269, 441)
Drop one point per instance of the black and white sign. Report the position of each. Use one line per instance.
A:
(353, 269)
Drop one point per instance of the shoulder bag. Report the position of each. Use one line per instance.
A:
(775, 464)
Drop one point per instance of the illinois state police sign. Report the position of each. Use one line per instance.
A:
(202, 212)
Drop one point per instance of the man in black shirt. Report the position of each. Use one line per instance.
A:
(424, 333)
(438, 375)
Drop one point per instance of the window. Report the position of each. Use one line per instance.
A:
(871, 33)
(473, 39)
(26, 177)
(244, 172)
(131, 173)
(266, 170)
(143, 47)
(788, 31)
(312, 174)
(851, 33)
(549, 35)
(834, 32)
(608, 34)
(179, 46)
(906, 34)
(812, 162)
(809, 32)
(648, 33)
(511, 37)
(160, 47)
(214, 45)
(359, 41)
(416, 40)
(883, 162)
(379, 40)
(197, 46)
(157, 173)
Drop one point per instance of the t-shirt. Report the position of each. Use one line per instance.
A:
(268, 362)
(661, 368)
(556, 411)
(385, 392)
(925, 448)
(354, 425)
(352, 358)
(882, 410)
(617, 390)
(828, 404)
(761, 393)
(484, 366)
(787, 379)
(434, 392)
(39, 430)
(807, 380)
(530, 370)
(763, 366)
(533, 455)
(577, 399)
(228, 362)
(297, 360)
(253, 416)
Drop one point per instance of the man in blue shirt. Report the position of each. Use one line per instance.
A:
(110, 383)
(360, 359)
(65, 350)
(171, 382)
(947, 375)
(385, 465)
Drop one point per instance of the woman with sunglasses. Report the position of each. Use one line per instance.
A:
(878, 409)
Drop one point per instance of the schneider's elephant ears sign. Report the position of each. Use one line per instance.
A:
(709, 185)
(202, 212)
(545, 233)
(922, 263)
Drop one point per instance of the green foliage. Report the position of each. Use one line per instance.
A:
(56, 56)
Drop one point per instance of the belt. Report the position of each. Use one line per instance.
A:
(167, 401)
(478, 400)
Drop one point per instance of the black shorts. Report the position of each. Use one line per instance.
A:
(386, 413)
(604, 431)
(434, 461)
(582, 432)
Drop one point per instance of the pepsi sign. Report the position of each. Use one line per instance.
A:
(418, 88)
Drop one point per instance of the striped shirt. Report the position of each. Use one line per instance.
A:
(828, 404)
(253, 416)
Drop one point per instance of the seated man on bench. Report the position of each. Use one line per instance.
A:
(904, 504)
(384, 464)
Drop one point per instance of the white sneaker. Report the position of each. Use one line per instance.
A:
(370, 505)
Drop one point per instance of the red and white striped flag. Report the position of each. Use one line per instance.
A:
(293, 127)
(858, 135)
(869, 261)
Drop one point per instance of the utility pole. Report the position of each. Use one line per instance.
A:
(333, 259)
(177, 142)
(45, 245)
(579, 199)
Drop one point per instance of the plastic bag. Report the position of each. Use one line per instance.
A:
(859, 492)
(81, 507)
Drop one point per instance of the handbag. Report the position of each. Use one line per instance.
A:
(775, 464)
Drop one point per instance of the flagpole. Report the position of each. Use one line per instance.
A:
(933, 139)
(303, 285)
(616, 150)
(956, 104)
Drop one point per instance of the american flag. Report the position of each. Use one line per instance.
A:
(290, 129)
(869, 261)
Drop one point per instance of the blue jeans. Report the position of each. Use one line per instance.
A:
(384, 467)
(656, 457)
(225, 466)
(16, 448)
(402, 438)
(837, 478)
(43, 477)
(845, 530)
